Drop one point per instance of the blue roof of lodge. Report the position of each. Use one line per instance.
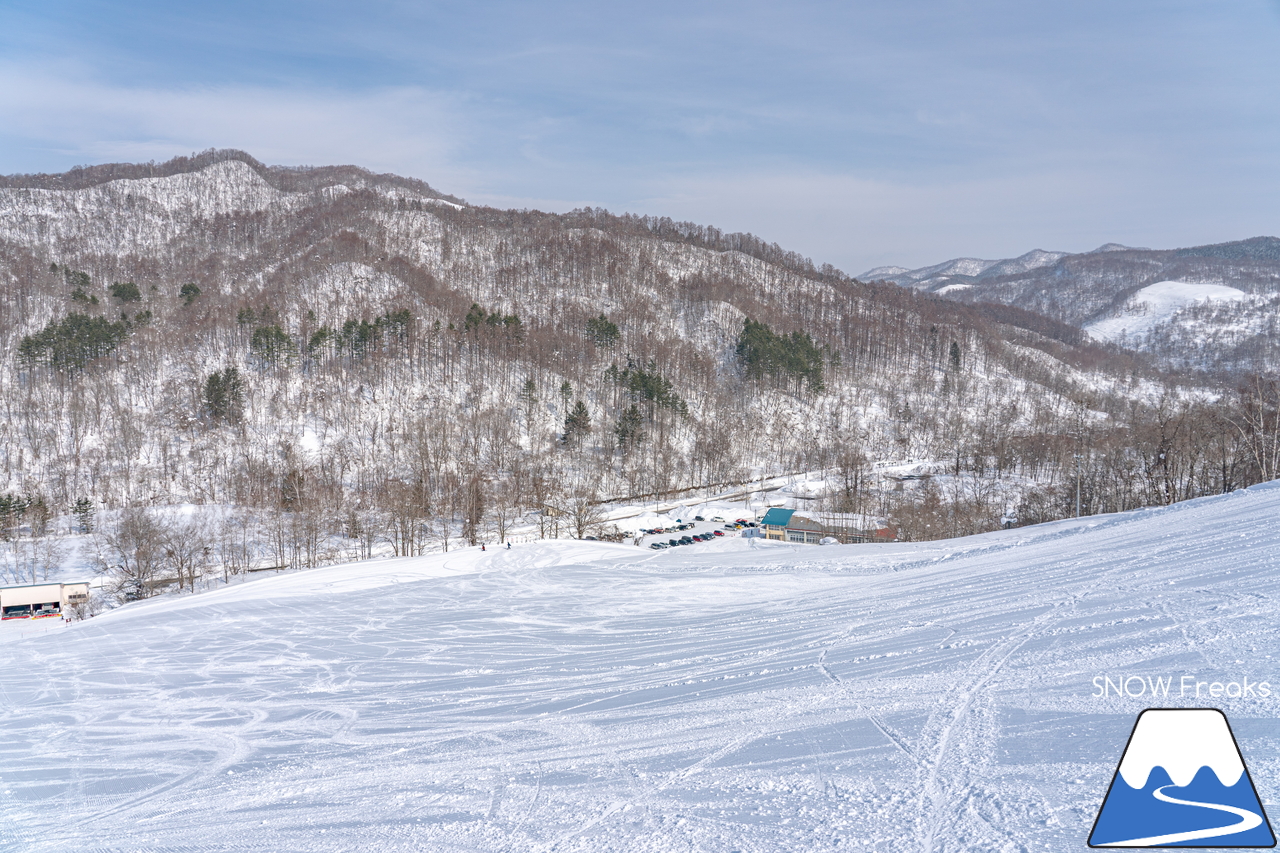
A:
(778, 517)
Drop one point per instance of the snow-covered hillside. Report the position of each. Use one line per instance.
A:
(356, 353)
(1155, 304)
(939, 276)
(748, 696)
(1101, 291)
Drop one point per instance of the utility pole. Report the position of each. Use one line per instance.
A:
(1077, 485)
(1079, 448)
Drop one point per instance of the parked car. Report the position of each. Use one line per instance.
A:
(657, 546)
(698, 518)
(718, 532)
(673, 542)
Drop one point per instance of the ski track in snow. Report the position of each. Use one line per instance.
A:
(562, 697)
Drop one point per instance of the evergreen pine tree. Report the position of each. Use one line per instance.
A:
(224, 395)
(576, 425)
(628, 429)
(84, 511)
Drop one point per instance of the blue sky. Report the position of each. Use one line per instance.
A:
(857, 133)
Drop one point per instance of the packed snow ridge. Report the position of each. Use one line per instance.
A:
(578, 696)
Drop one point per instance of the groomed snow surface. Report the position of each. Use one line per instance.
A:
(595, 697)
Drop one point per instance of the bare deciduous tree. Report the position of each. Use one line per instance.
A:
(132, 553)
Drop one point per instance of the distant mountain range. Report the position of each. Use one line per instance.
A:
(1106, 289)
(967, 269)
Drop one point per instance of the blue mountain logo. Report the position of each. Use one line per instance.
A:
(1182, 783)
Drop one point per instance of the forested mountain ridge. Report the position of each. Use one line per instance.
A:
(1088, 288)
(342, 353)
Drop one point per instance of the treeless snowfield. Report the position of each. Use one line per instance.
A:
(739, 696)
(1157, 303)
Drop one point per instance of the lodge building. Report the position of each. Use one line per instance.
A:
(41, 599)
(784, 525)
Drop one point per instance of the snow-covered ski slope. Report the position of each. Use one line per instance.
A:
(743, 695)
(1158, 303)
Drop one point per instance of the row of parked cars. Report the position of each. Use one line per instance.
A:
(671, 529)
(736, 524)
(693, 539)
(686, 540)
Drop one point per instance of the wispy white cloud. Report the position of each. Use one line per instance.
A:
(405, 129)
(859, 133)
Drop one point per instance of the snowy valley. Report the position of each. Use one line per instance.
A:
(354, 364)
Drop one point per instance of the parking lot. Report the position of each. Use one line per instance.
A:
(693, 531)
